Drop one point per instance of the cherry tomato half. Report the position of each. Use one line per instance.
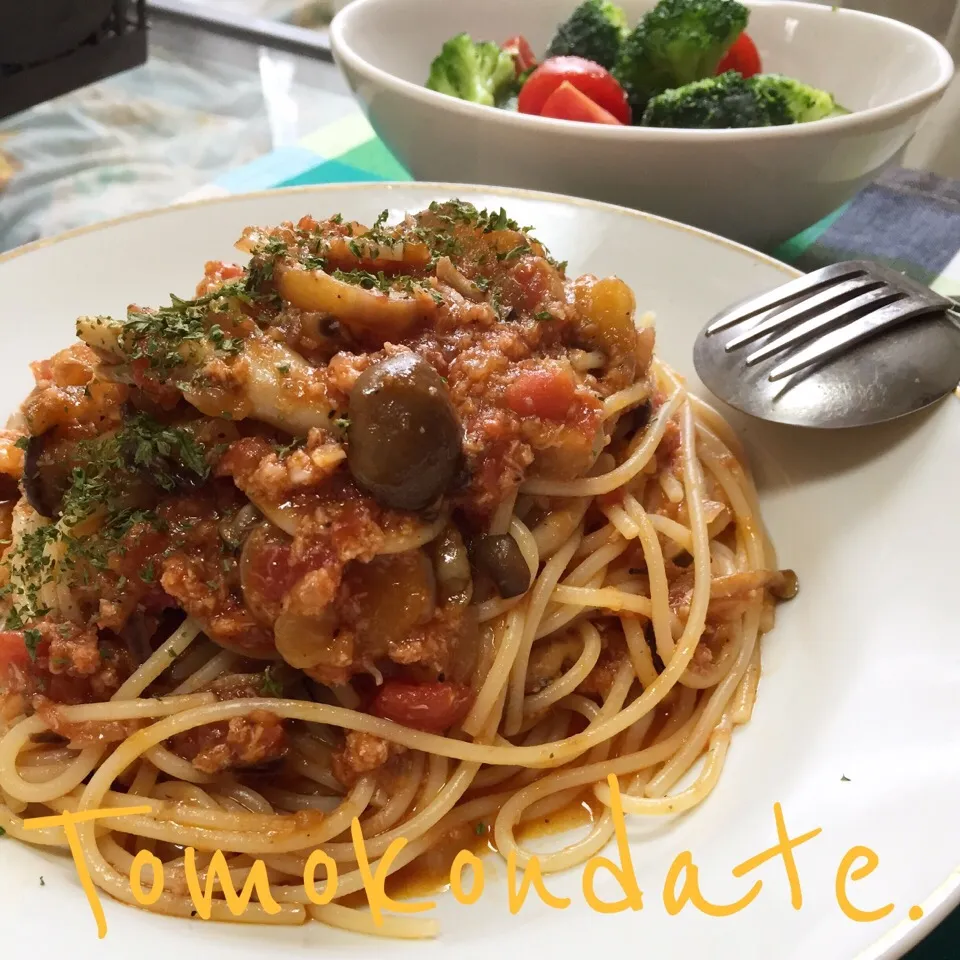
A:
(434, 707)
(522, 53)
(743, 57)
(588, 77)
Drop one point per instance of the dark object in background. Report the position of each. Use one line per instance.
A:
(50, 47)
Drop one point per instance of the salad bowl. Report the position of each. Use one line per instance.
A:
(756, 185)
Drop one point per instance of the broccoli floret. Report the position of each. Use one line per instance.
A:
(800, 102)
(480, 72)
(677, 42)
(711, 104)
(595, 31)
(767, 100)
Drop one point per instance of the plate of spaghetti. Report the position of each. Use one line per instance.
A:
(399, 548)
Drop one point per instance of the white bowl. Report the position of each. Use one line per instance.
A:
(759, 186)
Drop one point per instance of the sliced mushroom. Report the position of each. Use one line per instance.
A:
(234, 529)
(452, 565)
(499, 556)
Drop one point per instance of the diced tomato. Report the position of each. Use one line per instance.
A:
(542, 393)
(743, 57)
(432, 707)
(13, 650)
(522, 53)
(588, 77)
(568, 103)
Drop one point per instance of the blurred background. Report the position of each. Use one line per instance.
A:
(228, 81)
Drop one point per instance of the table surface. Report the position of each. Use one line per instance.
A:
(201, 107)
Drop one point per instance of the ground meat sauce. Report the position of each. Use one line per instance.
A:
(254, 742)
(203, 459)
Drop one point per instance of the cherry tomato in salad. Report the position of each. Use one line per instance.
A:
(589, 78)
(522, 53)
(568, 103)
(743, 57)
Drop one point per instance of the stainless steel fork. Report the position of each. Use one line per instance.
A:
(907, 339)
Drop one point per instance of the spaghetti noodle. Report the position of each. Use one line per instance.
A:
(396, 523)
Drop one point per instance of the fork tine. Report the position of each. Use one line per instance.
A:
(788, 291)
(810, 328)
(862, 329)
(788, 315)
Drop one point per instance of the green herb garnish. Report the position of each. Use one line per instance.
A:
(159, 336)
(271, 686)
(31, 638)
(361, 278)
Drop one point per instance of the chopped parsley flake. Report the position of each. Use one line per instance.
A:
(284, 451)
(159, 450)
(22, 443)
(31, 638)
(262, 265)
(376, 234)
(543, 315)
(159, 336)
(459, 211)
(361, 278)
(113, 470)
(271, 685)
(518, 251)
(480, 829)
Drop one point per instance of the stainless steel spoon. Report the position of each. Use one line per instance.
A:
(849, 345)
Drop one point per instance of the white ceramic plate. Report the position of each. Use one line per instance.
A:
(860, 676)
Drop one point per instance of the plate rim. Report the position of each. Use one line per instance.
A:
(945, 898)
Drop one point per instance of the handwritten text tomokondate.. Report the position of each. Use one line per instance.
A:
(681, 888)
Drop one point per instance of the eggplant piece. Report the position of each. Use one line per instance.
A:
(47, 468)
